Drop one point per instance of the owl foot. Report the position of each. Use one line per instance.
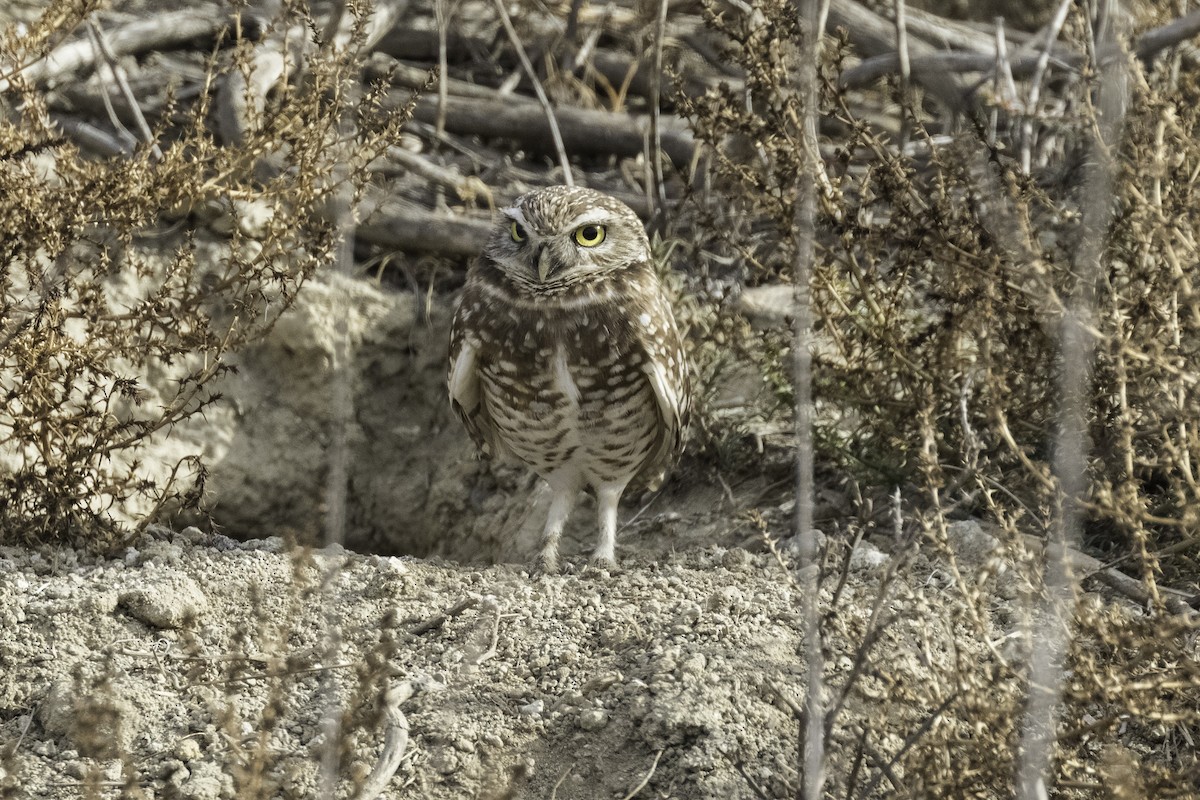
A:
(547, 562)
(601, 560)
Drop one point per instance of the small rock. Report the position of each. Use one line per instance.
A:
(192, 535)
(593, 719)
(689, 613)
(166, 600)
(601, 682)
(724, 599)
(443, 760)
(694, 666)
(866, 557)
(207, 782)
(161, 552)
(533, 709)
(735, 559)
(187, 750)
(971, 544)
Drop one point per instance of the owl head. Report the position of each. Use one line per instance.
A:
(561, 236)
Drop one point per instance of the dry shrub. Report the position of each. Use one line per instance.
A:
(942, 277)
(85, 316)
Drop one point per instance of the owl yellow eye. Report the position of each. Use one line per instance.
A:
(589, 235)
(517, 232)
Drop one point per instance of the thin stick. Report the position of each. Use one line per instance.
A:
(997, 81)
(541, 93)
(1048, 642)
(440, 619)
(118, 72)
(660, 32)
(1035, 85)
(341, 406)
(633, 792)
(395, 742)
(439, 8)
(905, 73)
(804, 233)
(559, 782)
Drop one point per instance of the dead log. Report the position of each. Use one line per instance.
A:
(397, 225)
(584, 132)
(166, 31)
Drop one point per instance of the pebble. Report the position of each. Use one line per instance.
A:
(972, 545)
(533, 709)
(165, 600)
(205, 782)
(593, 719)
(866, 557)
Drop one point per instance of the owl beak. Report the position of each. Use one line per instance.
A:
(545, 264)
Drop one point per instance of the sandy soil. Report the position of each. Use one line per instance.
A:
(197, 667)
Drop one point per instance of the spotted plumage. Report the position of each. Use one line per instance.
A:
(565, 356)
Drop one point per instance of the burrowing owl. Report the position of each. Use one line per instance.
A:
(565, 356)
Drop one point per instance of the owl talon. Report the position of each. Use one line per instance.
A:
(603, 561)
(547, 563)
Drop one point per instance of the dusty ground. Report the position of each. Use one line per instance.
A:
(203, 664)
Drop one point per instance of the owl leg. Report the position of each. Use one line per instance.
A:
(562, 502)
(608, 497)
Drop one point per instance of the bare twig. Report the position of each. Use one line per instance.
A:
(437, 621)
(909, 741)
(395, 742)
(646, 780)
(547, 109)
(809, 574)
(559, 782)
(1048, 635)
(1004, 89)
(659, 191)
(906, 98)
(100, 42)
(1035, 85)
(439, 8)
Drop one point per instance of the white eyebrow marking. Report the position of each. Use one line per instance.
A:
(591, 215)
(515, 213)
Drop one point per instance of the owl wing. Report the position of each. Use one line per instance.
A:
(666, 366)
(466, 397)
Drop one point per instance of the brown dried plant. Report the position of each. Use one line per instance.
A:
(942, 274)
(86, 314)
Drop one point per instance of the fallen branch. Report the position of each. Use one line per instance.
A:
(381, 66)
(872, 35)
(400, 226)
(583, 131)
(1146, 47)
(166, 31)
